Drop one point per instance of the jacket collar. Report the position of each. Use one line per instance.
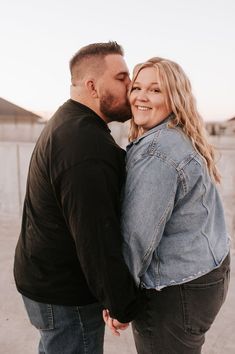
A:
(153, 130)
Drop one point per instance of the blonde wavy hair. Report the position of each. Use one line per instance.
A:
(177, 91)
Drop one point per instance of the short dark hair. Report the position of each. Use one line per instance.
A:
(94, 50)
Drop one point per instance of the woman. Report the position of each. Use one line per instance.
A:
(175, 240)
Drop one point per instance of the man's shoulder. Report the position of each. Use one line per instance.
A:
(72, 125)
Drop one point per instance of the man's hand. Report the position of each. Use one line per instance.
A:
(113, 324)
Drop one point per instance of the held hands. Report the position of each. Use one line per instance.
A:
(113, 324)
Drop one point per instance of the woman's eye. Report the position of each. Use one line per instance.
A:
(134, 88)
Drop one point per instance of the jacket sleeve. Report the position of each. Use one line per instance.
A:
(88, 196)
(149, 197)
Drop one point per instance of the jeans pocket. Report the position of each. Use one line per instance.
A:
(40, 314)
(201, 304)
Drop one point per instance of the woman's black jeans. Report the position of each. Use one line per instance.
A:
(176, 318)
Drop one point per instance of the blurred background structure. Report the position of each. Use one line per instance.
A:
(19, 130)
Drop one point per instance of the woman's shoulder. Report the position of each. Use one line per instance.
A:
(166, 142)
(173, 143)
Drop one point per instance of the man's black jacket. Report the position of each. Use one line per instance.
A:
(70, 247)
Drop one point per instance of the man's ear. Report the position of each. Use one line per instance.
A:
(90, 85)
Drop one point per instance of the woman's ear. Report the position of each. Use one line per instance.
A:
(90, 85)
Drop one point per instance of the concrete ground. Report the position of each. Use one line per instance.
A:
(18, 337)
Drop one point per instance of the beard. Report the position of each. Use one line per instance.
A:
(115, 112)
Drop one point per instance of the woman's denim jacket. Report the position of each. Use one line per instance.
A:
(172, 218)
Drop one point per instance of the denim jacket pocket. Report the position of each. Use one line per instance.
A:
(201, 304)
(40, 315)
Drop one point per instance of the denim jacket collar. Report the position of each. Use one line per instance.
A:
(151, 131)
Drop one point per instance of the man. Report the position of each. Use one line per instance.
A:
(68, 260)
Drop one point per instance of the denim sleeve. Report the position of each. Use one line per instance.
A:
(149, 197)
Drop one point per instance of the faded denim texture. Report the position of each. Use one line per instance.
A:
(172, 218)
(67, 329)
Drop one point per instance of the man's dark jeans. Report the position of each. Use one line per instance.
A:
(67, 329)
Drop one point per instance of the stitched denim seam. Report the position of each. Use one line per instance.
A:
(182, 178)
(184, 310)
(83, 331)
(50, 313)
(203, 285)
(203, 232)
(150, 248)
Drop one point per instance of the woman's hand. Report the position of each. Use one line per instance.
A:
(113, 324)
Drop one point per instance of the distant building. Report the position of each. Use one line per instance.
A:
(19, 130)
(222, 137)
(18, 124)
(221, 128)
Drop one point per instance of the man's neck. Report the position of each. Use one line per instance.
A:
(90, 104)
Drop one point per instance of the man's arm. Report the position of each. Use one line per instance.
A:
(88, 199)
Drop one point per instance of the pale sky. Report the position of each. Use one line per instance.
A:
(38, 38)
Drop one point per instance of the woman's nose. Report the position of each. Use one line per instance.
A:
(141, 96)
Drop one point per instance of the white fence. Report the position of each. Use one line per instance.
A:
(14, 161)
